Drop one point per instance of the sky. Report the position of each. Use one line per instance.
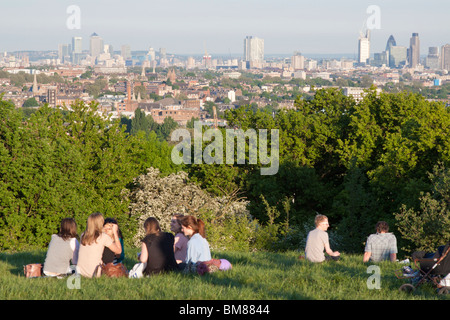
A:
(219, 27)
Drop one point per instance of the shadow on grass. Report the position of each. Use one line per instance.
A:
(260, 261)
(18, 260)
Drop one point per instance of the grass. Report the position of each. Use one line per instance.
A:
(255, 276)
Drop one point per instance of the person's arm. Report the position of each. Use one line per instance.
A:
(367, 256)
(75, 252)
(143, 257)
(328, 248)
(331, 252)
(115, 247)
(393, 257)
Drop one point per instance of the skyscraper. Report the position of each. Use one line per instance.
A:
(390, 43)
(445, 57)
(126, 51)
(297, 61)
(414, 51)
(432, 59)
(253, 50)
(77, 49)
(398, 56)
(96, 45)
(364, 47)
(77, 45)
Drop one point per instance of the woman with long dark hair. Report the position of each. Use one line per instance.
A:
(157, 249)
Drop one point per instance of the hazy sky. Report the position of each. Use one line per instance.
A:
(188, 26)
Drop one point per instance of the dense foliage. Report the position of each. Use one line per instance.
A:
(383, 158)
(67, 163)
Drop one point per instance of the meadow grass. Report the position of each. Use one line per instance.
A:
(254, 276)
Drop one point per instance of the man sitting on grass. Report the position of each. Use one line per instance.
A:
(317, 241)
(381, 245)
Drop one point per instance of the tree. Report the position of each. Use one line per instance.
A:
(31, 102)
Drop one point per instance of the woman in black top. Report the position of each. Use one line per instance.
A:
(157, 249)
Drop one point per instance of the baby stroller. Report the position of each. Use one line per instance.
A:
(429, 268)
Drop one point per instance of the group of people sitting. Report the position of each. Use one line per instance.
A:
(102, 243)
(380, 246)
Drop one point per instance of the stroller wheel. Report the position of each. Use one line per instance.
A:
(443, 290)
(406, 288)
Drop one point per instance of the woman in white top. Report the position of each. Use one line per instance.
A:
(62, 250)
(198, 247)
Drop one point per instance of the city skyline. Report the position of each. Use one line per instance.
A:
(191, 27)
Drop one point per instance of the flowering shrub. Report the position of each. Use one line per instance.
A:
(162, 197)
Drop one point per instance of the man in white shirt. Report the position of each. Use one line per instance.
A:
(317, 242)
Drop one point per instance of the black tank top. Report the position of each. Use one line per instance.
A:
(160, 253)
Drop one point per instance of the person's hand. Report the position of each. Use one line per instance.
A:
(115, 228)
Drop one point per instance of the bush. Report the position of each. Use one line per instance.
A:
(429, 226)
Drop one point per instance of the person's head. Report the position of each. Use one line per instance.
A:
(190, 225)
(68, 229)
(321, 222)
(107, 226)
(94, 228)
(175, 224)
(151, 226)
(382, 227)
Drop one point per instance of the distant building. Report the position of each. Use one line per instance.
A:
(297, 61)
(432, 59)
(125, 52)
(445, 57)
(96, 45)
(253, 51)
(414, 51)
(398, 56)
(364, 47)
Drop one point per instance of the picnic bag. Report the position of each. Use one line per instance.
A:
(33, 270)
(114, 270)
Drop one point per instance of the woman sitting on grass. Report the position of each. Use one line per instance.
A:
(157, 249)
(93, 242)
(197, 247)
(180, 245)
(62, 250)
(108, 255)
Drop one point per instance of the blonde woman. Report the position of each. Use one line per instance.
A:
(93, 242)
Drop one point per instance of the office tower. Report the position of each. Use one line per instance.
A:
(125, 52)
(64, 52)
(414, 51)
(77, 45)
(432, 59)
(445, 57)
(297, 61)
(253, 50)
(162, 53)
(77, 49)
(364, 47)
(151, 54)
(96, 45)
(390, 43)
(398, 56)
